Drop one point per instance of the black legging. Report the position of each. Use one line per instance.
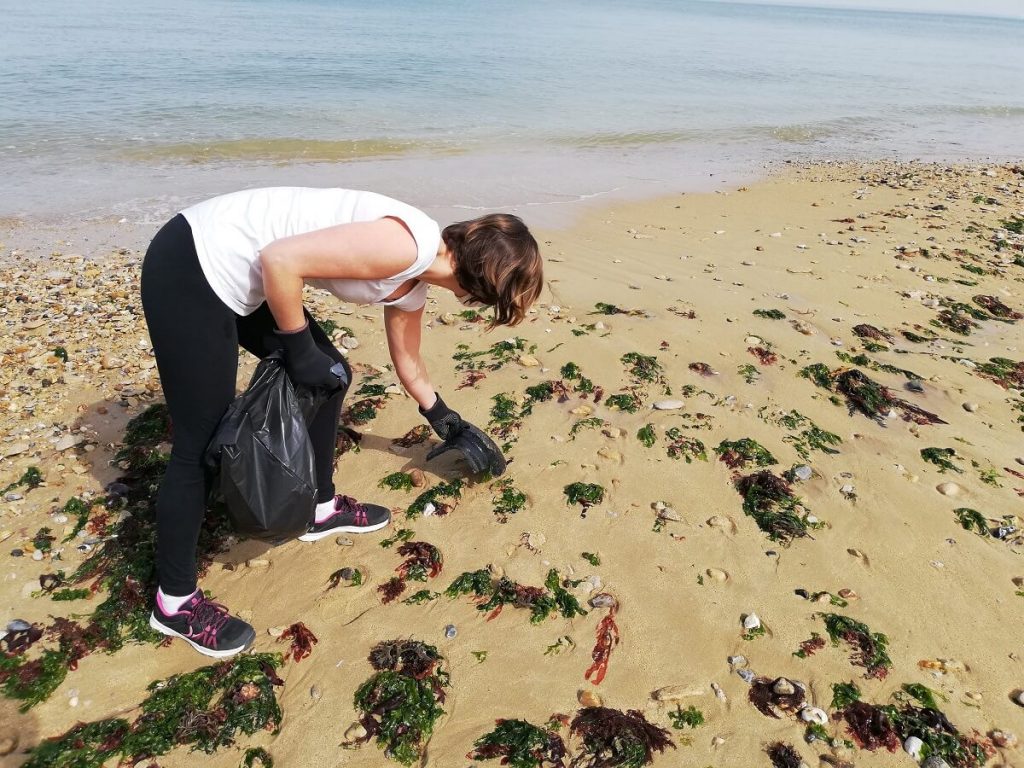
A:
(196, 338)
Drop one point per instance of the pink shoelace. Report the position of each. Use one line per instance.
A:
(348, 504)
(212, 616)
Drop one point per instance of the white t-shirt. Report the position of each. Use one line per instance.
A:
(230, 230)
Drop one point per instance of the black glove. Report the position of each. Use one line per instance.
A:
(479, 450)
(307, 364)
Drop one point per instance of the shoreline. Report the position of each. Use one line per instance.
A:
(832, 248)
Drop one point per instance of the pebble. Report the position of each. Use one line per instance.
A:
(719, 693)
(667, 513)
(18, 625)
(37, 555)
(1020, 460)
(315, 693)
(783, 687)
(609, 453)
(1019, 698)
(677, 692)
(349, 342)
(970, 407)
(417, 478)
(429, 509)
(355, 732)
(669, 405)
(737, 661)
(69, 441)
(912, 746)
(450, 631)
(814, 715)
(934, 761)
(603, 600)
(583, 410)
(747, 675)
(803, 472)
(7, 745)
(915, 385)
(344, 541)
(848, 594)
(589, 699)
(275, 631)
(751, 621)
(717, 574)
(17, 552)
(528, 361)
(1004, 739)
(848, 490)
(948, 489)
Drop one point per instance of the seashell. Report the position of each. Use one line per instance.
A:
(912, 746)
(737, 661)
(602, 600)
(719, 693)
(803, 472)
(355, 732)
(667, 513)
(429, 509)
(948, 489)
(717, 741)
(609, 453)
(934, 761)
(315, 693)
(668, 405)
(18, 625)
(1019, 698)
(814, 715)
(344, 541)
(589, 699)
(753, 340)
(751, 621)
(783, 687)
(970, 407)
(848, 594)
(1004, 739)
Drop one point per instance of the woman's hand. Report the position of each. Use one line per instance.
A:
(306, 364)
(478, 449)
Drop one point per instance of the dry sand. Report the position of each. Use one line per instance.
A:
(935, 589)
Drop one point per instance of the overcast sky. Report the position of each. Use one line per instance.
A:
(1013, 8)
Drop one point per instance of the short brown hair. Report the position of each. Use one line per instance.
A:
(498, 262)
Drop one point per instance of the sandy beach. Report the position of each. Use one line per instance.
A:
(717, 317)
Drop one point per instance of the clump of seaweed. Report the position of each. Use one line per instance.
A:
(628, 402)
(207, 709)
(507, 499)
(972, 520)
(254, 754)
(739, 454)
(876, 401)
(415, 436)
(1004, 372)
(443, 496)
(302, 639)
(811, 437)
(869, 649)
(401, 702)
(764, 354)
(767, 498)
(590, 423)
(521, 745)
(353, 576)
(391, 589)
(866, 362)
(644, 368)
(691, 717)
(572, 372)
(396, 481)
(940, 457)
(844, 694)
(702, 368)
(607, 638)
(362, 411)
(783, 755)
(749, 373)
(615, 739)
(810, 646)
(765, 696)
(31, 479)
(422, 561)
(866, 331)
(603, 308)
(682, 447)
(498, 355)
(997, 308)
(957, 322)
(646, 435)
(493, 595)
(585, 494)
(770, 314)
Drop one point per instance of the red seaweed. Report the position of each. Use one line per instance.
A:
(607, 638)
(302, 639)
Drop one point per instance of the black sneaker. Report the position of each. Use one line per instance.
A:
(205, 625)
(349, 517)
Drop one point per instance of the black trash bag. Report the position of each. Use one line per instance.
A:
(263, 457)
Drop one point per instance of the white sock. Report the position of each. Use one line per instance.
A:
(170, 603)
(324, 510)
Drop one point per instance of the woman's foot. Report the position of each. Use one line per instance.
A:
(205, 625)
(349, 516)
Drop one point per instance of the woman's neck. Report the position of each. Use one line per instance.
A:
(441, 272)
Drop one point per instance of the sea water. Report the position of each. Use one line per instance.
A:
(113, 108)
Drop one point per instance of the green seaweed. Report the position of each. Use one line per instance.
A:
(591, 558)
(844, 694)
(870, 649)
(819, 373)
(691, 717)
(615, 739)
(401, 535)
(587, 494)
(257, 753)
(508, 500)
(396, 481)
(521, 745)
(682, 447)
(646, 435)
(629, 402)
(739, 454)
(205, 709)
(590, 423)
(499, 354)
(972, 520)
(923, 695)
(643, 368)
(423, 596)
(768, 500)
(444, 496)
(31, 479)
(749, 373)
(1003, 371)
(493, 595)
(940, 457)
(770, 314)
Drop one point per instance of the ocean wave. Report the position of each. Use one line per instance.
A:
(284, 151)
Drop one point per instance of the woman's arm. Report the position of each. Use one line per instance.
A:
(366, 250)
(403, 333)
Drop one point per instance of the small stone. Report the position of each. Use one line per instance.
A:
(803, 473)
(495, 570)
(609, 453)
(344, 541)
(1019, 698)
(722, 523)
(737, 661)
(350, 342)
(69, 441)
(669, 405)
(14, 450)
(315, 693)
(275, 631)
(667, 513)
(18, 625)
(429, 509)
(7, 745)
(450, 631)
(528, 361)
(717, 574)
(915, 385)
(912, 746)
(613, 432)
(1004, 739)
(934, 761)
(783, 687)
(355, 732)
(583, 410)
(970, 407)
(258, 562)
(948, 489)
(417, 478)
(814, 715)
(677, 692)
(589, 699)
(37, 555)
(746, 675)
(603, 600)
(751, 621)
(717, 741)
(848, 594)
(848, 491)
(110, 362)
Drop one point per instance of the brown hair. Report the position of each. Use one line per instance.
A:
(498, 262)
